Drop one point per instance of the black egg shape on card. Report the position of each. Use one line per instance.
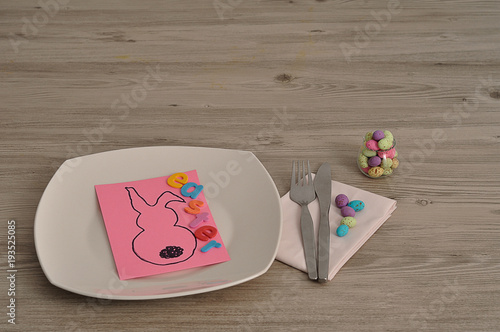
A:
(171, 252)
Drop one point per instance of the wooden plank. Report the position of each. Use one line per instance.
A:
(331, 70)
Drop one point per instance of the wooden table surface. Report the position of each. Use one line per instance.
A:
(287, 80)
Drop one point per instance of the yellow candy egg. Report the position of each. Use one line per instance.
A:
(376, 172)
(395, 163)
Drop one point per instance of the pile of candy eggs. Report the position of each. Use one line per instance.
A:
(377, 155)
(348, 211)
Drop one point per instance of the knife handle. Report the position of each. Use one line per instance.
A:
(323, 248)
(307, 229)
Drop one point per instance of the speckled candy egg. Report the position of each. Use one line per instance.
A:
(376, 172)
(368, 136)
(374, 161)
(357, 205)
(369, 153)
(387, 171)
(342, 230)
(341, 200)
(386, 163)
(347, 211)
(388, 135)
(378, 135)
(372, 145)
(387, 154)
(363, 160)
(384, 144)
(349, 221)
(395, 163)
(365, 169)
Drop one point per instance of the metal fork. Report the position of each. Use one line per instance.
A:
(302, 192)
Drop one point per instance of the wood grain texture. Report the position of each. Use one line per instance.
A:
(427, 67)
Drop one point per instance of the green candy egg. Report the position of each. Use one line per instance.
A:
(389, 135)
(369, 153)
(368, 136)
(387, 171)
(386, 163)
(384, 144)
(363, 161)
(349, 222)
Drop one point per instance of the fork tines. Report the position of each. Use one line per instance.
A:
(296, 179)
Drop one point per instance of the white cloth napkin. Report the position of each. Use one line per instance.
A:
(377, 210)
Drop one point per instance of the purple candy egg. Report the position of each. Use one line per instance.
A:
(341, 200)
(347, 211)
(374, 161)
(378, 135)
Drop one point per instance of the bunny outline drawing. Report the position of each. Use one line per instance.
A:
(161, 241)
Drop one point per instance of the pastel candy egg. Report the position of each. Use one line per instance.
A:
(342, 230)
(387, 154)
(387, 171)
(372, 145)
(365, 169)
(349, 222)
(376, 172)
(386, 163)
(363, 160)
(369, 153)
(384, 144)
(357, 205)
(368, 136)
(388, 135)
(378, 135)
(374, 161)
(347, 211)
(341, 200)
(395, 163)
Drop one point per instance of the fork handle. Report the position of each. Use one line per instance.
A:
(307, 229)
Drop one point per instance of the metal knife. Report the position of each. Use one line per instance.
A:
(323, 188)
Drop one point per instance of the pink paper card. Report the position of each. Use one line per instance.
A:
(156, 228)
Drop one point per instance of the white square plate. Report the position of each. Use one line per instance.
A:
(71, 240)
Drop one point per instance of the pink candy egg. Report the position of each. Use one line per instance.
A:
(387, 154)
(372, 145)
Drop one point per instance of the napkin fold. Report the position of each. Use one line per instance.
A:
(291, 250)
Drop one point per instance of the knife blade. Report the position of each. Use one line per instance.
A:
(323, 188)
